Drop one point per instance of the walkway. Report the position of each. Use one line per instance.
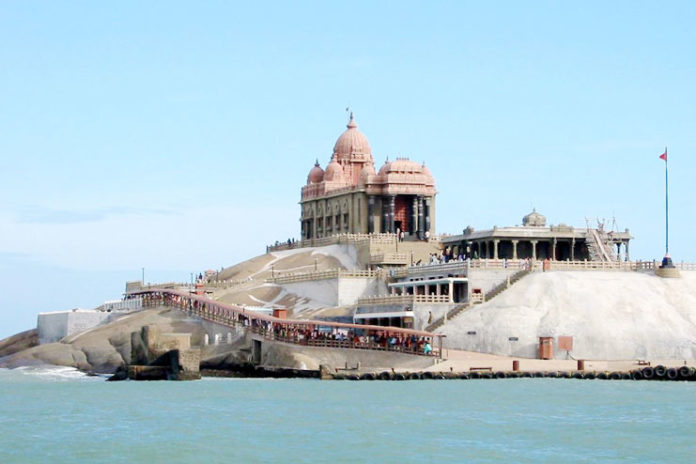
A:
(299, 332)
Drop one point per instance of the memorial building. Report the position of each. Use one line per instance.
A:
(351, 197)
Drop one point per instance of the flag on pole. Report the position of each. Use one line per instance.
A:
(664, 156)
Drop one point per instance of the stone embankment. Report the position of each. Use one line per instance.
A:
(660, 373)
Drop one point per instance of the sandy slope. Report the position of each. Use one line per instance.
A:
(611, 315)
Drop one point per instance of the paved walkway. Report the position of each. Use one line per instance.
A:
(463, 361)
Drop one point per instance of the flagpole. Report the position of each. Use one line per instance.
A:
(666, 208)
(667, 269)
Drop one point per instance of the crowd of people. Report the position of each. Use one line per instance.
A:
(304, 333)
(352, 338)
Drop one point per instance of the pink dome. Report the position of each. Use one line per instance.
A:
(334, 171)
(404, 166)
(316, 175)
(352, 141)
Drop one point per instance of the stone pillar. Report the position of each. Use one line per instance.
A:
(421, 218)
(370, 214)
(553, 249)
(385, 215)
(414, 216)
(426, 213)
(496, 242)
(451, 292)
(572, 249)
(534, 250)
(618, 251)
(514, 249)
(392, 207)
(628, 255)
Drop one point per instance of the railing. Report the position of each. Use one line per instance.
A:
(389, 258)
(636, 266)
(130, 304)
(321, 275)
(336, 239)
(224, 284)
(388, 300)
(362, 343)
(301, 332)
(520, 264)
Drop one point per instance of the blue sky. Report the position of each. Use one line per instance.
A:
(176, 137)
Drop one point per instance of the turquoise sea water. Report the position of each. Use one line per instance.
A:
(61, 416)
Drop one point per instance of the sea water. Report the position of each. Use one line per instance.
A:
(62, 416)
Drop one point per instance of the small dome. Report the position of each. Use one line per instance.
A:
(385, 169)
(367, 172)
(316, 175)
(352, 141)
(334, 171)
(427, 172)
(534, 219)
(404, 166)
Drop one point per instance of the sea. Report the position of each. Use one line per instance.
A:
(60, 415)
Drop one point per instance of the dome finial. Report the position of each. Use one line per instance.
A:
(351, 123)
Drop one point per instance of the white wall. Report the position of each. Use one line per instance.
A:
(57, 325)
(352, 288)
(324, 292)
(421, 313)
(486, 279)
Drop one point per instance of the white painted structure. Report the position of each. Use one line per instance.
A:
(56, 325)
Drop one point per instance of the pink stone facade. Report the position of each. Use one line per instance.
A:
(350, 196)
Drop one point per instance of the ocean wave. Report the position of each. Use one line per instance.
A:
(47, 373)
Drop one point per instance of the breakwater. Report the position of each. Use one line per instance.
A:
(657, 373)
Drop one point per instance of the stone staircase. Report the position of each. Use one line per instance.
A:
(497, 290)
(597, 248)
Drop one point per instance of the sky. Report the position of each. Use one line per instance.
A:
(175, 137)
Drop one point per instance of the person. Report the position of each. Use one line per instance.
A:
(401, 236)
(427, 235)
(427, 349)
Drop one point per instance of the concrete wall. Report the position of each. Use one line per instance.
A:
(421, 313)
(305, 357)
(486, 279)
(57, 325)
(222, 334)
(350, 289)
(324, 292)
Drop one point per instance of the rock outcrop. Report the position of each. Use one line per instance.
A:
(105, 348)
